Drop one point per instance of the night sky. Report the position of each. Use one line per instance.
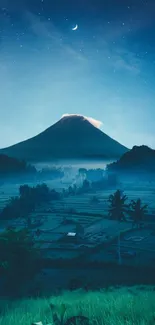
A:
(105, 69)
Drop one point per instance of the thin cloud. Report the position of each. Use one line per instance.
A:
(117, 58)
(93, 121)
(120, 59)
(47, 31)
(127, 61)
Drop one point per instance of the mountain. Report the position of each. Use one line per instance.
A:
(138, 159)
(72, 137)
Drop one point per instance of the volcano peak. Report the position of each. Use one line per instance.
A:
(72, 137)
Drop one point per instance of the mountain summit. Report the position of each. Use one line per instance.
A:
(72, 137)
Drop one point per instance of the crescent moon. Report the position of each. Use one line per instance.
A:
(75, 28)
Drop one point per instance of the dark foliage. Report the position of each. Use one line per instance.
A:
(18, 260)
(77, 320)
(59, 316)
(118, 206)
(50, 173)
(94, 200)
(86, 185)
(92, 175)
(13, 167)
(138, 159)
(138, 211)
(29, 198)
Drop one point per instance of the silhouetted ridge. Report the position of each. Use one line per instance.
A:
(12, 166)
(137, 159)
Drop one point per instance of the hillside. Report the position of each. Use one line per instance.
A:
(72, 137)
(13, 167)
(138, 159)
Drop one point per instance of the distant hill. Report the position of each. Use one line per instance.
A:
(138, 159)
(72, 137)
(13, 167)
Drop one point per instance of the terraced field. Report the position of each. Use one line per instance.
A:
(83, 211)
(6, 192)
(82, 203)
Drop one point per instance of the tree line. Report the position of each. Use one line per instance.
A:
(18, 255)
(12, 168)
(28, 200)
(18, 262)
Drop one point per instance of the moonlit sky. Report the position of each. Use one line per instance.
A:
(105, 69)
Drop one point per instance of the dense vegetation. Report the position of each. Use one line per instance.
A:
(18, 247)
(119, 209)
(18, 261)
(13, 167)
(27, 201)
(137, 160)
(98, 178)
(18, 257)
(50, 173)
(91, 174)
(121, 306)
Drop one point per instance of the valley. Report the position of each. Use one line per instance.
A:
(57, 235)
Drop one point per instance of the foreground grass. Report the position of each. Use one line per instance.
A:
(130, 306)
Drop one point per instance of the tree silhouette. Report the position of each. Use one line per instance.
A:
(94, 200)
(82, 173)
(118, 206)
(138, 211)
(86, 185)
(29, 198)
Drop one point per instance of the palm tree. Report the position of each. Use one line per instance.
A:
(118, 206)
(138, 212)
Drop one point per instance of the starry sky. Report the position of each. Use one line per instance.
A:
(105, 69)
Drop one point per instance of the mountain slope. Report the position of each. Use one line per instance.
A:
(72, 137)
(138, 159)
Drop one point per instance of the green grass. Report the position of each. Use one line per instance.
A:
(124, 306)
